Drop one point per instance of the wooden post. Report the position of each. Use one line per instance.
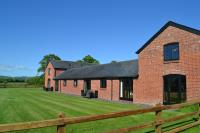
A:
(61, 128)
(197, 116)
(158, 128)
(198, 111)
(111, 89)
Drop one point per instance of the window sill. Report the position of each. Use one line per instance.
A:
(171, 61)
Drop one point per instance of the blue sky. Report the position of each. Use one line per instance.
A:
(106, 29)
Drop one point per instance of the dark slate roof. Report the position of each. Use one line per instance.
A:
(170, 23)
(67, 64)
(111, 70)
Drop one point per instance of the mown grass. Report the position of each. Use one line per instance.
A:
(22, 105)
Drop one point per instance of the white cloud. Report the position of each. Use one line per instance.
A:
(4, 67)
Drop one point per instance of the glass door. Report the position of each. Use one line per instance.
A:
(56, 85)
(87, 85)
(174, 89)
(126, 89)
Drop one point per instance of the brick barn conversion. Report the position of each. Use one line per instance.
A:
(167, 71)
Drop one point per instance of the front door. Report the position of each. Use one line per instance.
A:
(56, 85)
(174, 89)
(87, 85)
(126, 89)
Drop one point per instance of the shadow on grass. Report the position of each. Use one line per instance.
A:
(175, 125)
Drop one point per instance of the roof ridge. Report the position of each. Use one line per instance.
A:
(112, 63)
(97, 65)
(110, 70)
(61, 64)
(62, 61)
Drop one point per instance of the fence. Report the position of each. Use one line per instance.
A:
(62, 122)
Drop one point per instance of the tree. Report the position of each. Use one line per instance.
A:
(36, 81)
(113, 61)
(46, 59)
(81, 61)
(5, 83)
(89, 59)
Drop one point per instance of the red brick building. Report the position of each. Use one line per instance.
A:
(55, 68)
(167, 71)
(169, 66)
(113, 81)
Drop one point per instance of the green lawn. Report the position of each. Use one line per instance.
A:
(22, 105)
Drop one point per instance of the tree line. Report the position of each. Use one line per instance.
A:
(6, 81)
(39, 80)
(36, 81)
(12, 79)
(47, 58)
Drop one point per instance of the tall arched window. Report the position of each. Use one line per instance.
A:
(174, 89)
(49, 83)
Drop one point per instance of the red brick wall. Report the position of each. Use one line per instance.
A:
(115, 90)
(103, 93)
(71, 89)
(148, 88)
(51, 76)
(54, 72)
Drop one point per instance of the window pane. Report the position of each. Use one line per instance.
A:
(103, 83)
(64, 82)
(75, 83)
(175, 52)
(49, 71)
(171, 52)
(174, 89)
(167, 53)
